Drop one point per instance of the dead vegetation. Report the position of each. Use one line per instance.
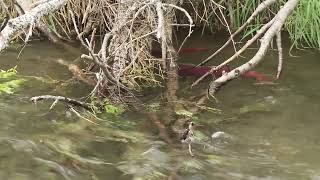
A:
(119, 35)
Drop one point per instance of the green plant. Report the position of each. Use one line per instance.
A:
(304, 24)
(111, 109)
(11, 82)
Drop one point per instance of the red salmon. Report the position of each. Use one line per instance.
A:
(191, 70)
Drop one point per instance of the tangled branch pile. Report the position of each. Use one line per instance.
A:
(119, 35)
(128, 30)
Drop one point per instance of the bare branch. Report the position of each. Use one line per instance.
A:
(62, 99)
(259, 9)
(280, 55)
(29, 18)
(233, 57)
(280, 18)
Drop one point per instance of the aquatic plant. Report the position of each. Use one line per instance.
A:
(9, 82)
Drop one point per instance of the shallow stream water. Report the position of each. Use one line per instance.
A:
(275, 128)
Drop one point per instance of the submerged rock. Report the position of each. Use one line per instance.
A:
(270, 99)
(20, 145)
(221, 137)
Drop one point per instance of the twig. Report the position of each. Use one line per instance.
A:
(186, 13)
(5, 7)
(95, 58)
(104, 46)
(280, 18)
(79, 115)
(229, 30)
(86, 106)
(280, 54)
(259, 9)
(190, 150)
(248, 43)
(161, 32)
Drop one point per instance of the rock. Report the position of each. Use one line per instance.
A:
(221, 137)
(270, 99)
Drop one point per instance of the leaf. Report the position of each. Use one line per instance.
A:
(111, 109)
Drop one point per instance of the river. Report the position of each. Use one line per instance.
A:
(274, 128)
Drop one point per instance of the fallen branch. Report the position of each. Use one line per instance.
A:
(62, 99)
(29, 18)
(238, 53)
(275, 28)
(280, 55)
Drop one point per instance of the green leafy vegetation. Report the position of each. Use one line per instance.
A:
(9, 82)
(112, 109)
(8, 74)
(303, 25)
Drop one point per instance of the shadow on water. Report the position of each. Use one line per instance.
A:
(275, 129)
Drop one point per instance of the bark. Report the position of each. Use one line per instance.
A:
(23, 6)
(280, 54)
(29, 18)
(120, 45)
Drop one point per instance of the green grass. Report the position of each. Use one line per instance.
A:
(303, 25)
